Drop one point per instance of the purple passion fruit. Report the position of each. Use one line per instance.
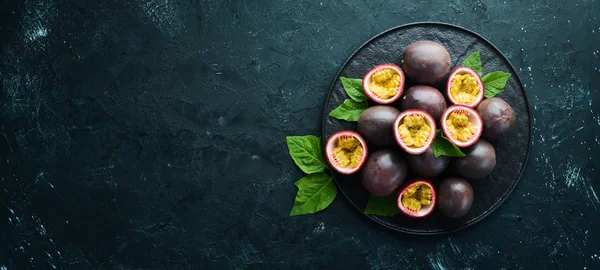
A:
(498, 118)
(426, 62)
(427, 165)
(465, 87)
(425, 98)
(417, 199)
(384, 172)
(384, 83)
(346, 151)
(479, 161)
(455, 197)
(414, 131)
(461, 125)
(375, 125)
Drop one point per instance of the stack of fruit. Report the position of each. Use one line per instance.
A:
(408, 119)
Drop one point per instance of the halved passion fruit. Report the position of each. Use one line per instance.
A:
(414, 131)
(346, 151)
(465, 87)
(461, 125)
(417, 199)
(384, 83)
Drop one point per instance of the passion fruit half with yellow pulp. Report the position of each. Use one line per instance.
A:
(465, 87)
(461, 125)
(346, 151)
(414, 131)
(384, 83)
(417, 199)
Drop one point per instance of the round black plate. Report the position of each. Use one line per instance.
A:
(511, 152)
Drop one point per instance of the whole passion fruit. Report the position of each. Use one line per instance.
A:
(461, 125)
(479, 161)
(455, 197)
(465, 87)
(346, 151)
(384, 83)
(426, 62)
(417, 199)
(427, 165)
(498, 118)
(375, 125)
(425, 98)
(414, 131)
(384, 172)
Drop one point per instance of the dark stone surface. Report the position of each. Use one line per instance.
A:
(151, 135)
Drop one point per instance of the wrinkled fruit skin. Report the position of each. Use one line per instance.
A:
(426, 165)
(375, 125)
(455, 197)
(479, 161)
(498, 118)
(426, 98)
(426, 62)
(384, 172)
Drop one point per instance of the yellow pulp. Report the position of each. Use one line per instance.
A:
(348, 152)
(414, 130)
(459, 126)
(384, 83)
(416, 196)
(464, 89)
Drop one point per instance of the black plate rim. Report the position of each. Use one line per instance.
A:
(510, 189)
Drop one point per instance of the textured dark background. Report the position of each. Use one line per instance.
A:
(150, 135)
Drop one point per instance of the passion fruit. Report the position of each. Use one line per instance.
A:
(426, 62)
(462, 125)
(384, 83)
(465, 87)
(427, 165)
(426, 98)
(346, 151)
(414, 131)
(498, 118)
(455, 197)
(479, 161)
(384, 172)
(375, 124)
(417, 199)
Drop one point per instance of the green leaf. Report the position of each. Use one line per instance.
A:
(307, 153)
(474, 61)
(441, 146)
(315, 193)
(494, 83)
(354, 89)
(350, 110)
(382, 206)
